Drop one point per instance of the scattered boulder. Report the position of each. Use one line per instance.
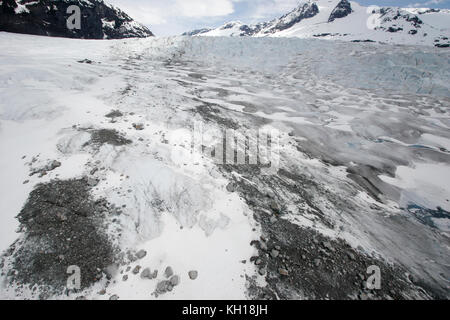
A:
(351, 256)
(263, 246)
(136, 269)
(283, 272)
(193, 274)
(327, 245)
(174, 280)
(146, 274)
(274, 206)
(85, 61)
(141, 254)
(274, 253)
(114, 114)
(168, 272)
(138, 126)
(92, 182)
(107, 136)
(163, 287)
(231, 187)
(262, 271)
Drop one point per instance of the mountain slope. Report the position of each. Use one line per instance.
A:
(349, 21)
(99, 20)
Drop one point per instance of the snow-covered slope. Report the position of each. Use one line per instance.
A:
(349, 21)
(99, 20)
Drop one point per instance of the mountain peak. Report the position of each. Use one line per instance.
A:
(342, 20)
(99, 20)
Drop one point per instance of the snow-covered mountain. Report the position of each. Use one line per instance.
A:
(349, 21)
(99, 20)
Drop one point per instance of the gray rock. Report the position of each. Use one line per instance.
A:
(53, 165)
(317, 262)
(327, 245)
(263, 246)
(274, 206)
(163, 287)
(168, 272)
(136, 269)
(193, 274)
(141, 253)
(230, 187)
(114, 297)
(283, 272)
(274, 253)
(92, 182)
(138, 126)
(175, 280)
(262, 271)
(146, 274)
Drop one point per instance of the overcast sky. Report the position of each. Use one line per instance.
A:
(173, 17)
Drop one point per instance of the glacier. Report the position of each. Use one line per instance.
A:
(364, 146)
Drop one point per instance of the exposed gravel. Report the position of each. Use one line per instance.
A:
(61, 226)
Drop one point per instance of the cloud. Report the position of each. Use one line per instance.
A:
(426, 3)
(156, 12)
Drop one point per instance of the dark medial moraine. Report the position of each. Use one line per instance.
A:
(342, 10)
